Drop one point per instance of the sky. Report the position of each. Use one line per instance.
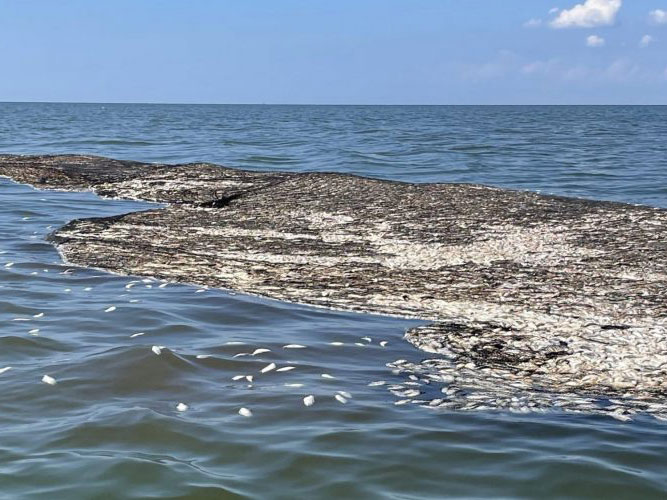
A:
(335, 51)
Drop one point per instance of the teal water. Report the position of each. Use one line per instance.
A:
(110, 427)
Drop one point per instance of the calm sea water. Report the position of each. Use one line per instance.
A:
(110, 427)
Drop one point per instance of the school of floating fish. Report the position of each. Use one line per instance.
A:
(451, 381)
(433, 383)
(340, 396)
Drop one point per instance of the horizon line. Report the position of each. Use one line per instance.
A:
(157, 103)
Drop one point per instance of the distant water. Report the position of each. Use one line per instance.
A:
(110, 427)
(604, 152)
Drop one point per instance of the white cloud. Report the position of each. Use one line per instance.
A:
(595, 41)
(508, 67)
(533, 23)
(588, 14)
(646, 41)
(553, 10)
(658, 16)
(505, 63)
(555, 69)
(624, 70)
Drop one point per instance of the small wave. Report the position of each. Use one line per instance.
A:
(472, 148)
(274, 160)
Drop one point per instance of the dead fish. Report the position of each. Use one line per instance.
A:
(268, 368)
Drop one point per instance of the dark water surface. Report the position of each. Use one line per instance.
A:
(110, 427)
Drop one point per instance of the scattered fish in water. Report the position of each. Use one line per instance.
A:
(336, 343)
(34, 331)
(87, 289)
(340, 399)
(326, 375)
(345, 394)
(360, 344)
(377, 383)
(234, 342)
(137, 334)
(110, 309)
(285, 369)
(260, 351)
(182, 407)
(5, 369)
(367, 339)
(309, 400)
(294, 346)
(241, 354)
(249, 378)
(238, 377)
(39, 315)
(49, 380)
(245, 412)
(9, 264)
(383, 343)
(203, 356)
(157, 349)
(293, 385)
(163, 285)
(268, 368)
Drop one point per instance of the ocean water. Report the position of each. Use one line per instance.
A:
(110, 427)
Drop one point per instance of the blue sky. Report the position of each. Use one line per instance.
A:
(335, 52)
